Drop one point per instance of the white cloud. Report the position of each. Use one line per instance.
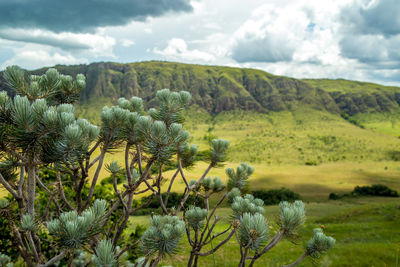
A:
(96, 44)
(37, 56)
(302, 31)
(177, 49)
(127, 43)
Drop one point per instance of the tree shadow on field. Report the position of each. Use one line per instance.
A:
(308, 191)
(314, 192)
(391, 180)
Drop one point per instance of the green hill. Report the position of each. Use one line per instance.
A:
(312, 136)
(219, 89)
(268, 119)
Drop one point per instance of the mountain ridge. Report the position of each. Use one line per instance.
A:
(220, 88)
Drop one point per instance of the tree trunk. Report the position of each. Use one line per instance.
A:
(30, 205)
(190, 262)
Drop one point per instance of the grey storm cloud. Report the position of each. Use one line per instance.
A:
(266, 49)
(371, 33)
(381, 17)
(82, 15)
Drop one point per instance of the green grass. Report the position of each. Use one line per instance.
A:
(366, 230)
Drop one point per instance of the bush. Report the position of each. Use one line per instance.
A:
(275, 196)
(378, 190)
(375, 190)
(334, 196)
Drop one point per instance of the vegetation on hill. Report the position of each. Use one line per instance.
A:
(217, 89)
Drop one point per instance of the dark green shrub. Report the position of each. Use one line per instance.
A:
(275, 196)
(334, 196)
(378, 190)
(311, 163)
(375, 190)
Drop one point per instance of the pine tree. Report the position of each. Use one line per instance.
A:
(39, 130)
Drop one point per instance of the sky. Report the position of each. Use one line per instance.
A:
(350, 39)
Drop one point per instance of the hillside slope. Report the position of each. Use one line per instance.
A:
(219, 89)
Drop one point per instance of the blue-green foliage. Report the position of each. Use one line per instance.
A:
(5, 261)
(247, 204)
(219, 149)
(73, 230)
(195, 216)
(292, 216)
(253, 230)
(105, 255)
(163, 235)
(319, 243)
(239, 178)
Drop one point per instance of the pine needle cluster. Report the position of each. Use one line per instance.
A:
(73, 230)
(163, 235)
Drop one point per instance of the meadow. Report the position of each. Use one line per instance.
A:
(366, 230)
(312, 153)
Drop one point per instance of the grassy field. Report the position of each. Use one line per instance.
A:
(313, 153)
(367, 231)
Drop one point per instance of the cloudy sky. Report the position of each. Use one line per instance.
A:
(352, 39)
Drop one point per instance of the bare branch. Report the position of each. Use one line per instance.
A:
(217, 235)
(8, 187)
(127, 165)
(191, 188)
(219, 245)
(94, 147)
(275, 240)
(42, 184)
(61, 188)
(95, 177)
(211, 214)
(118, 193)
(21, 181)
(54, 259)
(302, 257)
(169, 187)
(94, 161)
(139, 153)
